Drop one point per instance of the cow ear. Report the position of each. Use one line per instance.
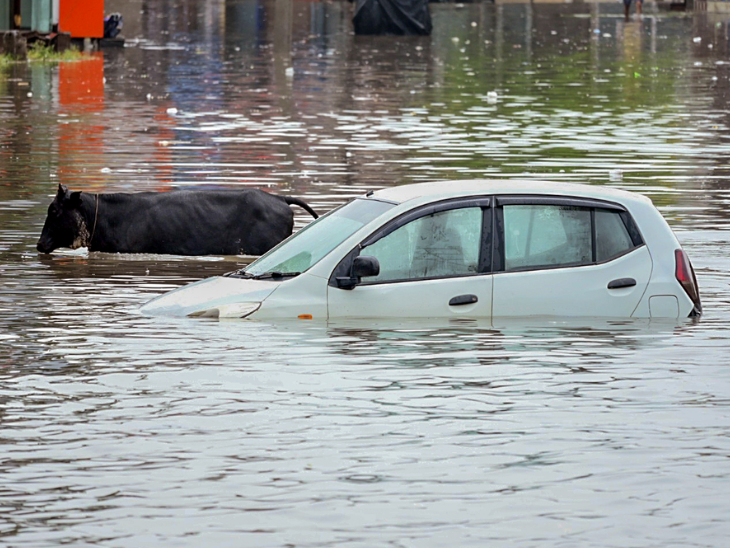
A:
(62, 190)
(75, 199)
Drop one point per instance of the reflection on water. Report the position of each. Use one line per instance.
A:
(124, 430)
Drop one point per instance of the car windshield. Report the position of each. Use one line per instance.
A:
(308, 246)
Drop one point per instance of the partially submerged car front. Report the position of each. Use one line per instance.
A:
(285, 269)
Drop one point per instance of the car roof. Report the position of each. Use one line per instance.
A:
(429, 192)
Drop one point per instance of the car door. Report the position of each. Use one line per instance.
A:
(434, 262)
(567, 257)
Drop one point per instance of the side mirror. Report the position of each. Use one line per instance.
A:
(365, 266)
(362, 267)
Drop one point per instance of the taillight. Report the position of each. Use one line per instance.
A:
(685, 275)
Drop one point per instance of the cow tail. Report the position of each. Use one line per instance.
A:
(301, 203)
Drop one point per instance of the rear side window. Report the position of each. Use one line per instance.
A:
(549, 235)
(612, 237)
(540, 235)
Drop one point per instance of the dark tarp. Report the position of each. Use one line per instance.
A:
(394, 17)
(113, 25)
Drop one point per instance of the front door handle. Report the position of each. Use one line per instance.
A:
(621, 282)
(463, 299)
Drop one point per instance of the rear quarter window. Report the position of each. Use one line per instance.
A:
(612, 236)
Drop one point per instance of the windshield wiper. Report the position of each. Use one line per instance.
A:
(275, 275)
(238, 274)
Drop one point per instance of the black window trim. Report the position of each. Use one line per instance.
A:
(423, 211)
(568, 265)
(542, 199)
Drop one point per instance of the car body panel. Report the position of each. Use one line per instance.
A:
(662, 243)
(303, 297)
(414, 299)
(421, 193)
(663, 306)
(209, 294)
(574, 291)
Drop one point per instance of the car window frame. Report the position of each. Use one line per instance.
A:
(486, 248)
(492, 252)
(498, 234)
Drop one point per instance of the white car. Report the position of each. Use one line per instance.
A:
(463, 249)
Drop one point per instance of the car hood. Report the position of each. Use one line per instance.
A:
(209, 294)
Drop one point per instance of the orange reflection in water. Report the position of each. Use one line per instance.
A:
(81, 135)
(165, 134)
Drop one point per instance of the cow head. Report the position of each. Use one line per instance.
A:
(65, 224)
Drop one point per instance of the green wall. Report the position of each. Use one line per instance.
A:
(41, 16)
(5, 15)
(35, 15)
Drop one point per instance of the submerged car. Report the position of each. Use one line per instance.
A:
(463, 249)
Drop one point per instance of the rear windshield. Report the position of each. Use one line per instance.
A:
(308, 246)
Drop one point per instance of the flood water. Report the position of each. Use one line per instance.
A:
(121, 430)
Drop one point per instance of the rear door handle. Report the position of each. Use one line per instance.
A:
(463, 299)
(621, 282)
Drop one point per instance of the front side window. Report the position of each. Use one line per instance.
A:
(546, 236)
(442, 244)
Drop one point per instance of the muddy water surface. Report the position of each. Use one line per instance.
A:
(122, 430)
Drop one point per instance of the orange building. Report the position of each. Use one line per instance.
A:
(81, 18)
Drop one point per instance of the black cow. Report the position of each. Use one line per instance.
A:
(181, 222)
